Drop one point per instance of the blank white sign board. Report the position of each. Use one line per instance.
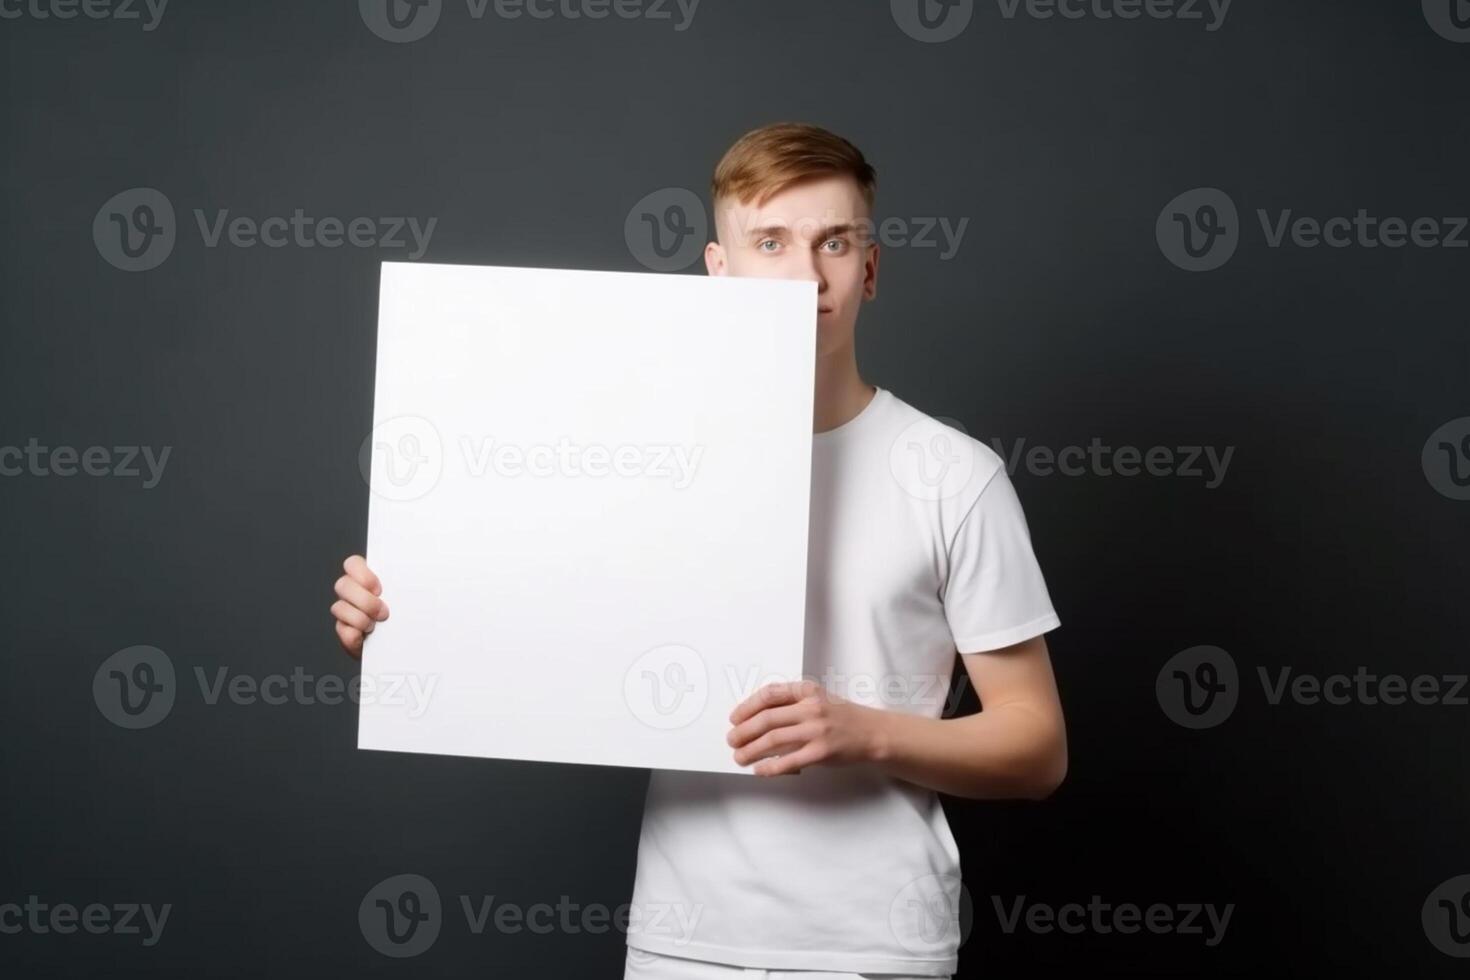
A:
(589, 509)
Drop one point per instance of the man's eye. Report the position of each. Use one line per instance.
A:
(768, 241)
(839, 242)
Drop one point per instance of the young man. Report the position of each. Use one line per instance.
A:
(918, 549)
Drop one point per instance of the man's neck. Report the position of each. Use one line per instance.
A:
(841, 393)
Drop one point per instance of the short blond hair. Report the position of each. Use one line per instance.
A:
(766, 161)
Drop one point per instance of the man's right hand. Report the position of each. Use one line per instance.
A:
(359, 607)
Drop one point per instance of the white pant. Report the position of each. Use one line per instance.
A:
(643, 965)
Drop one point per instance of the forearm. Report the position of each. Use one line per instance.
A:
(1009, 751)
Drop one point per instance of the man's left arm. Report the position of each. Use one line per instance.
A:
(1015, 748)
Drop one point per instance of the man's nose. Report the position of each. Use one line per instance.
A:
(810, 269)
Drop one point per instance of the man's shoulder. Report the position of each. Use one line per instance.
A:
(934, 457)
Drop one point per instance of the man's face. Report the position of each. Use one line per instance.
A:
(820, 230)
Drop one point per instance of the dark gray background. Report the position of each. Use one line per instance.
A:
(1326, 547)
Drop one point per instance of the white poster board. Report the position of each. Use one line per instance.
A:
(589, 504)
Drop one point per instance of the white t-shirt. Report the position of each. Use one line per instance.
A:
(918, 548)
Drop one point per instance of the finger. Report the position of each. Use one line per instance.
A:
(350, 639)
(808, 755)
(766, 720)
(356, 566)
(361, 598)
(352, 616)
(768, 696)
(778, 742)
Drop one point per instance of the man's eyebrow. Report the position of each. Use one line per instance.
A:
(780, 231)
(769, 231)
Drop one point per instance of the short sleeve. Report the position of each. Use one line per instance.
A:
(995, 594)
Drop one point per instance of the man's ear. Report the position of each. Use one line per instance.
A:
(714, 259)
(870, 273)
